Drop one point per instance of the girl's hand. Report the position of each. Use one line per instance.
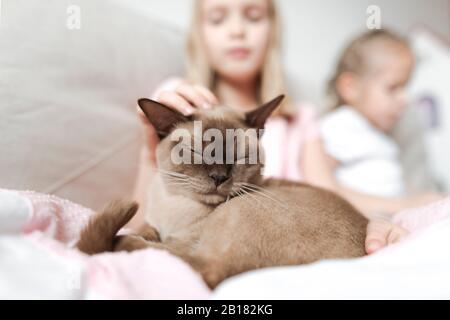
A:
(184, 98)
(381, 233)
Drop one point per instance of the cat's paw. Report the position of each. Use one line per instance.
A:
(130, 243)
(149, 233)
(212, 276)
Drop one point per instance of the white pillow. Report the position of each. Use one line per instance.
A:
(430, 89)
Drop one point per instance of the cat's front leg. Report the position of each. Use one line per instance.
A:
(149, 233)
(145, 235)
(130, 243)
(212, 273)
(137, 242)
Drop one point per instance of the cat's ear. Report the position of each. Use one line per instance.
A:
(162, 117)
(257, 118)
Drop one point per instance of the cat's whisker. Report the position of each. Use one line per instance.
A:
(232, 194)
(241, 195)
(181, 180)
(171, 173)
(259, 188)
(186, 185)
(263, 193)
(184, 182)
(258, 201)
(196, 182)
(167, 176)
(186, 179)
(171, 180)
(178, 183)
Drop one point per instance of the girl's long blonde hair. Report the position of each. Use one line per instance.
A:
(271, 80)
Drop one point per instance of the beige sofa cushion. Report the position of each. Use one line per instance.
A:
(67, 97)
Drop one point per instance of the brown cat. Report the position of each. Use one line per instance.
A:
(224, 219)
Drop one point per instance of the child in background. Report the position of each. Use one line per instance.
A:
(369, 87)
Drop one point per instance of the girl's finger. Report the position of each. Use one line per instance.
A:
(194, 96)
(175, 101)
(212, 99)
(377, 233)
(381, 233)
(397, 234)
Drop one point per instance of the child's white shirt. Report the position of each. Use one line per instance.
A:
(368, 158)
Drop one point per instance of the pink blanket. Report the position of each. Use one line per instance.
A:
(52, 225)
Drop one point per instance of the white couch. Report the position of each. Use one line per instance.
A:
(67, 97)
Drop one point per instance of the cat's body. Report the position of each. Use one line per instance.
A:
(238, 224)
(290, 224)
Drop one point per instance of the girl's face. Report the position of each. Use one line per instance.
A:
(236, 36)
(381, 96)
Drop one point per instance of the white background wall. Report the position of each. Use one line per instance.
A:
(315, 31)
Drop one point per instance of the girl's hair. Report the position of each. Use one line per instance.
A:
(271, 79)
(354, 59)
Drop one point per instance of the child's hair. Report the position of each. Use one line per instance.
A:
(354, 59)
(271, 80)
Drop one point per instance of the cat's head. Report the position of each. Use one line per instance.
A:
(211, 154)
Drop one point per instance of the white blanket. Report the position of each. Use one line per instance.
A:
(418, 268)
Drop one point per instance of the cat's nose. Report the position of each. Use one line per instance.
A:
(218, 179)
